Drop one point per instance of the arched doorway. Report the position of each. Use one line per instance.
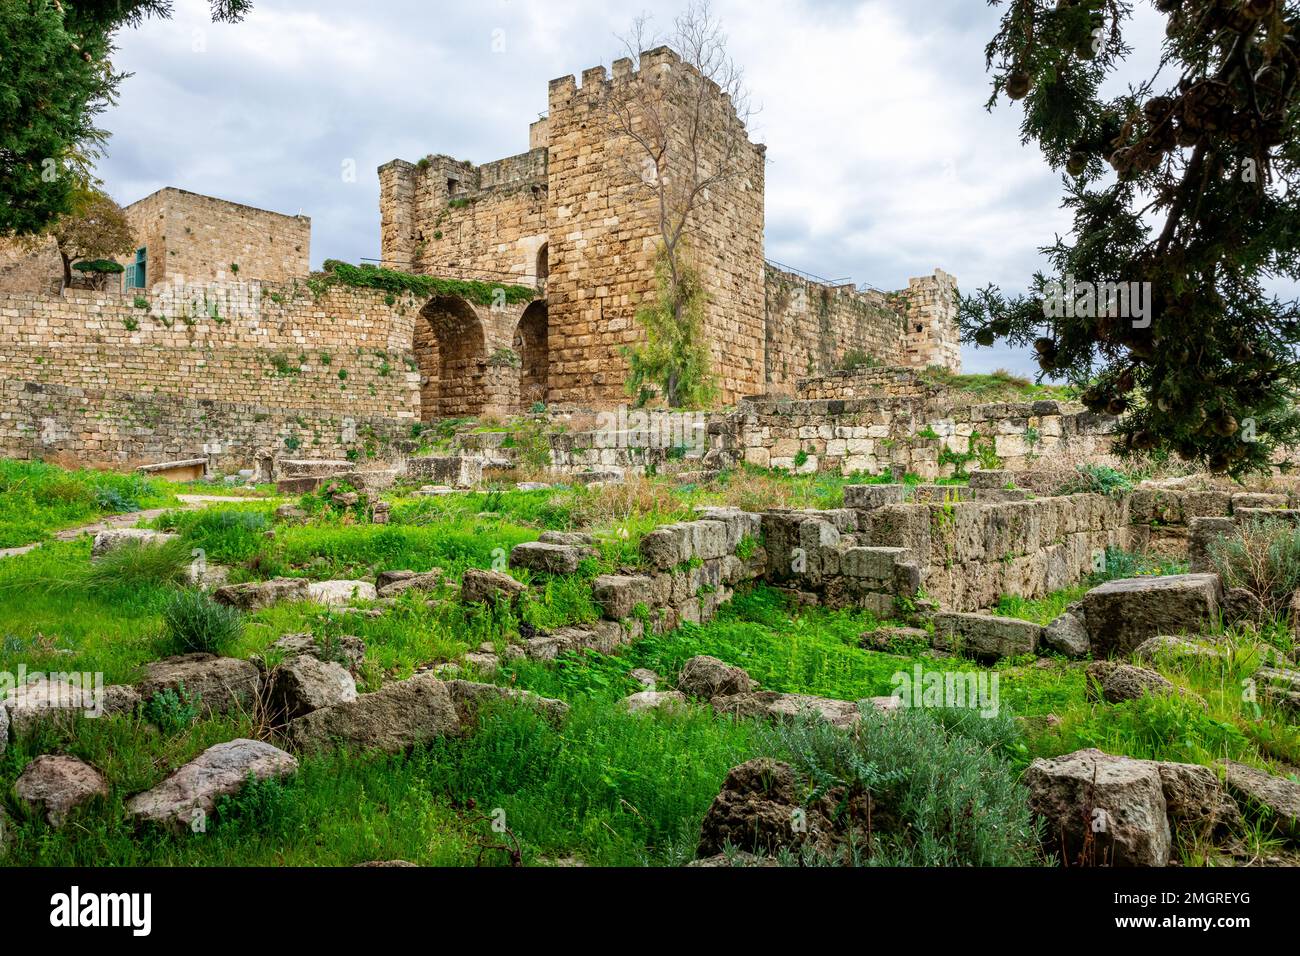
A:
(530, 346)
(449, 346)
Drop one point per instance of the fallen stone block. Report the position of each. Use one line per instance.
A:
(190, 795)
(488, 587)
(1115, 683)
(650, 700)
(426, 581)
(985, 636)
(114, 538)
(1101, 810)
(257, 595)
(57, 785)
(1122, 614)
(707, 677)
(546, 558)
(347, 650)
(1276, 799)
(393, 719)
(340, 593)
(1067, 635)
(216, 685)
(470, 698)
(58, 703)
(306, 683)
(771, 705)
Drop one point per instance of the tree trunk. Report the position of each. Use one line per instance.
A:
(67, 271)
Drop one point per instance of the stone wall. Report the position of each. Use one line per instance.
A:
(811, 327)
(932, 437)
(27, 269)
(96, 379)
(970, 553)
(193, 238)
(933, 338)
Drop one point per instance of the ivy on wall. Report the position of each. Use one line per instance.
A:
(393, 281)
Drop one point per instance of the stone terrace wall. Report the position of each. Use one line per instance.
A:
(870, 435)
(896, 381)
(271, 354)
(970, 553)
(812, 326)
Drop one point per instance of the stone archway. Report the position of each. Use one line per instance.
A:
(543, 264)
(451, 349)
(530, 346)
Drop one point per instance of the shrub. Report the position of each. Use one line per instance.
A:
(172, 711)
(1264, 558)
(1099, 480)
(940, 781)
(136, 564)
(193, 622)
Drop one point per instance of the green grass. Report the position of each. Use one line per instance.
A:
(37, 499)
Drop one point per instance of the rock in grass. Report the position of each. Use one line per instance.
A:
(58, 703)
(257, 595)
(217, 685)
(755, 812)
(114, 538)
(348, 650)
(426, 581)
(1122, 614)
(393, 719)
(57, 785)
(1100, 809)
(1166, 647)
(341, 593)
(482, 587)
(547, 558)
(770, 705)
(470, 698)
(191, 793)
(648, 700)
(1067, 635)
(1116, 682)
(305, 683)
(1277, 798)
(707, 677)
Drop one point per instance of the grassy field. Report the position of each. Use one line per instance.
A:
(605, 787)
(37, 499)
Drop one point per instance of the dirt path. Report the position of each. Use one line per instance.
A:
(188, 503)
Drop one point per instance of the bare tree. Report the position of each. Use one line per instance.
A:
(684, 126)
(688, 127)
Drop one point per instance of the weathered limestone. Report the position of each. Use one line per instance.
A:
(546, 558)
(114, 538)
(707, 677)
(1122, 614)
(189, 795)
(305, 683)
(772, 705)
(1067, 635)
(396, 583)
(755, 812)
(57, 785)
(341, 593)
(620, 595)
(1277, 798)
(486, 587)
(649, 700)
(257, 595)
(54, 701)
(217, 685)
(1108, 810)
(470, 698)
(394, 718)
(985, 636)
(1115, 682)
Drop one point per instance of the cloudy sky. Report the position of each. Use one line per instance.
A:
(883, 163)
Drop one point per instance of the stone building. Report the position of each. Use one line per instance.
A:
(185, 236)
(180, 236)
(568, 217)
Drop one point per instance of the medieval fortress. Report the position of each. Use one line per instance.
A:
(221, 343)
